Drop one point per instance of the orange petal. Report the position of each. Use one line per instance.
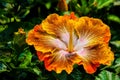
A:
(55, 24)
(90, 68)
(95, 55)
(44, 42)
(92, 44)
(72, 16)
(30, 40)
(93, 30)
(69, 17)
(101, 54)
(60, 26)
(42, 56)
(38, 28)
(61, 60)
(31, 34)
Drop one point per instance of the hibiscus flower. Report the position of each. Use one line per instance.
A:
(63, 41)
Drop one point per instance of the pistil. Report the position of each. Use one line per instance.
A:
(70, 45)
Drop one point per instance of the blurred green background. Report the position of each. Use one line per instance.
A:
(18, 61)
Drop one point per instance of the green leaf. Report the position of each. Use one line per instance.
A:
(5, 58)
(25, 58)
(114, 18)
(116, 43)
(117, 61)
(84, 3)
(25, 14)
(76, 75)
(68, 1)
(8, 5)
(116, 67)
(106, 75)
(2, 28)
(116, 3)
(102, 3)
(3, 67)
(37, 70)
(48, 5)
(90, 2)
(61, 76)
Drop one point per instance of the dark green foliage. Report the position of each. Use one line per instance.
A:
(18, 61)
